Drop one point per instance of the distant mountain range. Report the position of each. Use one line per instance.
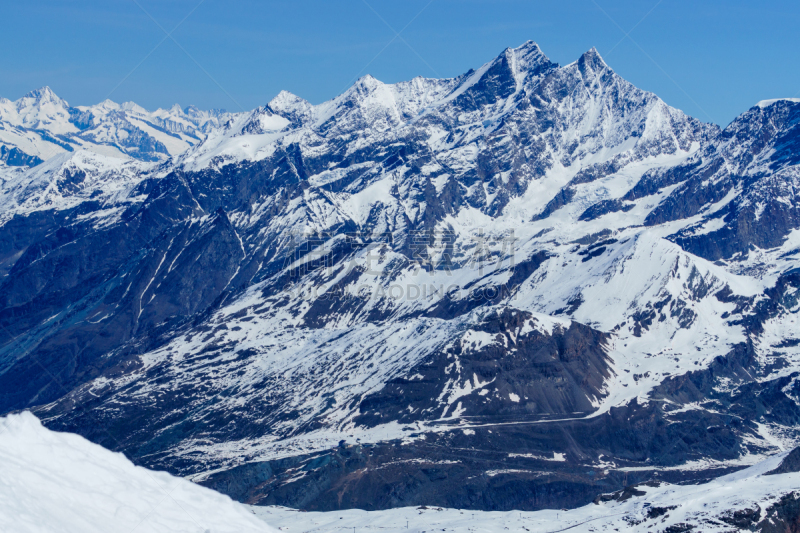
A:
(514, 289)
(41, 125)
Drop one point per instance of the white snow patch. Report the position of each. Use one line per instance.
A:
(62, 482)
(766, 103)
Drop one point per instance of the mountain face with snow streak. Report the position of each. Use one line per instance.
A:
(536, 271)
(40, 125)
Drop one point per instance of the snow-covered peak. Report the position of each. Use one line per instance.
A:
(528, 49)
(363, 92)
(39, 109)
(109, 106)
(291, 106)
(285, 100)
(66, 180)
(44, 94)
(761, 136)
(591, 59)
(766, 103)
(369, 91)
(368, 102)
(136, 108)
(524, 61)
(586, 95)
(528, 56)
(103, 107)
(263, 120)
(368, 82)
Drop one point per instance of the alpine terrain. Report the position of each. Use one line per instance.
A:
(517, 289)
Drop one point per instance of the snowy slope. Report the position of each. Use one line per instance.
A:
(66, 181)
(62, 482)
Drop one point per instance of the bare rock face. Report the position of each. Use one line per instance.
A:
(514, 289)
(507, 366)
(790, 463)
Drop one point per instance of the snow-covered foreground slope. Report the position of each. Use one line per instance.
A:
(61, 482)
(749, 500)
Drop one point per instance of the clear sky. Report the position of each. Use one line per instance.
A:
(713, 59)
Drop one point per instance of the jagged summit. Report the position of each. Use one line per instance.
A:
(488, 95)
(592, 59)
(291, 106)
(524, 61)
(286, 99)
(528, 48)
(593, 52)
(368, 79)
(529, 55)
(364, 85)
(43, 93)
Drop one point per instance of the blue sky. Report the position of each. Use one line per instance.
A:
(713, 59)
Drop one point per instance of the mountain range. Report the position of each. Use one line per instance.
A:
(518, 288)
(40, 125)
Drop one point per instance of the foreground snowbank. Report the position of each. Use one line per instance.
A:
(739, 501)
(60, 482)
